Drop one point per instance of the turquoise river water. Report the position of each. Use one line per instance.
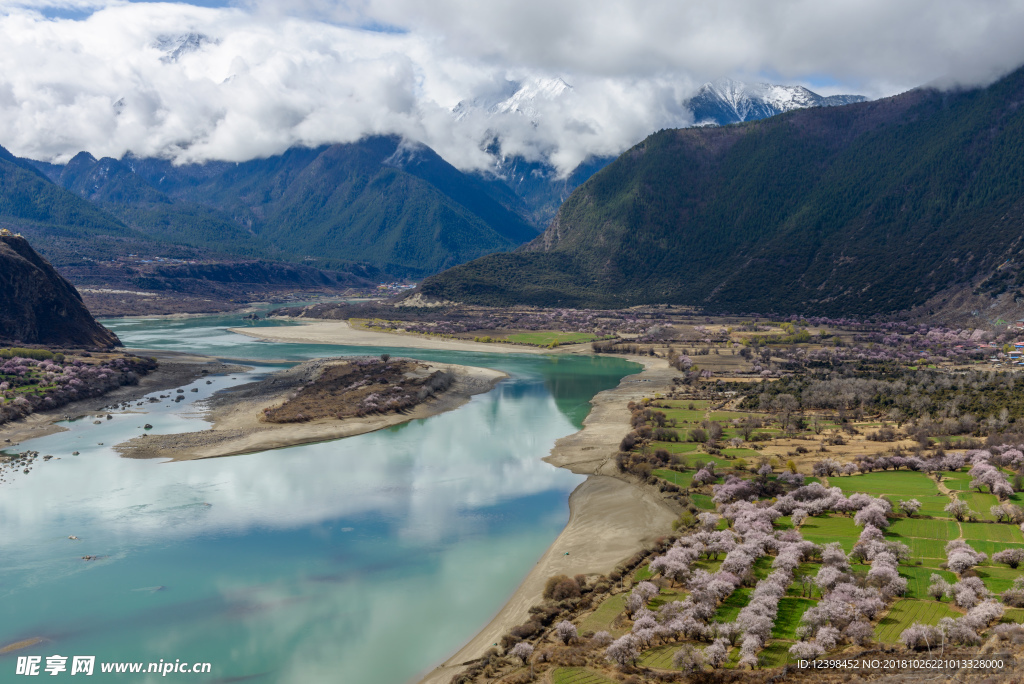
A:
(363, 560)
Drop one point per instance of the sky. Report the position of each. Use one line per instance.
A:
(255, 77)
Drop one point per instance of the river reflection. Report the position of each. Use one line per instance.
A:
(366, 559)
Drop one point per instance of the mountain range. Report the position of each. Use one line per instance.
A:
(356, 210)
(727, 101)
(869, 208)
(394, 205)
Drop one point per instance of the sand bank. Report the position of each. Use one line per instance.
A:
(238, 429)
(340, 332)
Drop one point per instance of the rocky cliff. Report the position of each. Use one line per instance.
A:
(38, 306)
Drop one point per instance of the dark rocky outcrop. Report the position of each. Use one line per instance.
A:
(38, 306)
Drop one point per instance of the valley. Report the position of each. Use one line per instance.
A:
(460, 345)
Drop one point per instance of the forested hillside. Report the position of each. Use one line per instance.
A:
(868, 208)
(395, 206)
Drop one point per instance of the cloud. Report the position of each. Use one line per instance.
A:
(233, 83)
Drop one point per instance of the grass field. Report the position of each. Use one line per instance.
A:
(943, 530)
(680, 479)
(906, 612)
(788, 618)
(578, 675)
(731, 606)
(992, 547)
(684, 416)
(934, 506)
(659, 657)
(678, 447)
(545, 338)
(919, 578)
(830, 529)
(956, 481)
(1009, 534)
(775, 654)
(1013, 615)
(602, 618)
(997, 578)
(900, 484)
(926, 538)
(980, 503)
(666, 596)
(741, 453)
(702, 501)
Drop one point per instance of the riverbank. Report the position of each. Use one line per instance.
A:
(340, 332)
(173, 370)
(238, 428)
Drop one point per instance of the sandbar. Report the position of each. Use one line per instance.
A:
(340, 332)
(238, 429)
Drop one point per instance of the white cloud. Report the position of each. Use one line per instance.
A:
(273, 74)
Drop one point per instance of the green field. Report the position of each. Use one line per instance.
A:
(934, 506)
(741, 453)
(933, 550)
(992, 547)
(919, 578)
(906, 612)
(788, 618)
(680, 479)
(900, 484)
(684, 416)
(702, 501)
(1009, 534)
(943, 530)
(678, 447)
(545, 338)
(956, 481)
(731, 606)
(659, 657)
(602, 618)
(998, 578)
(1013, 615)
(980, 503)
(926, 538)
(830, 529)
(775, 654)
(578, 675)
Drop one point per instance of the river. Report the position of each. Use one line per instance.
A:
(363, 560)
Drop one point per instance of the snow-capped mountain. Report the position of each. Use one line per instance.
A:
(538, 183)
(727, 101)
(514, 97)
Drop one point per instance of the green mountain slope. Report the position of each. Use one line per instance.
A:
(382, 202)
(867, 208)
